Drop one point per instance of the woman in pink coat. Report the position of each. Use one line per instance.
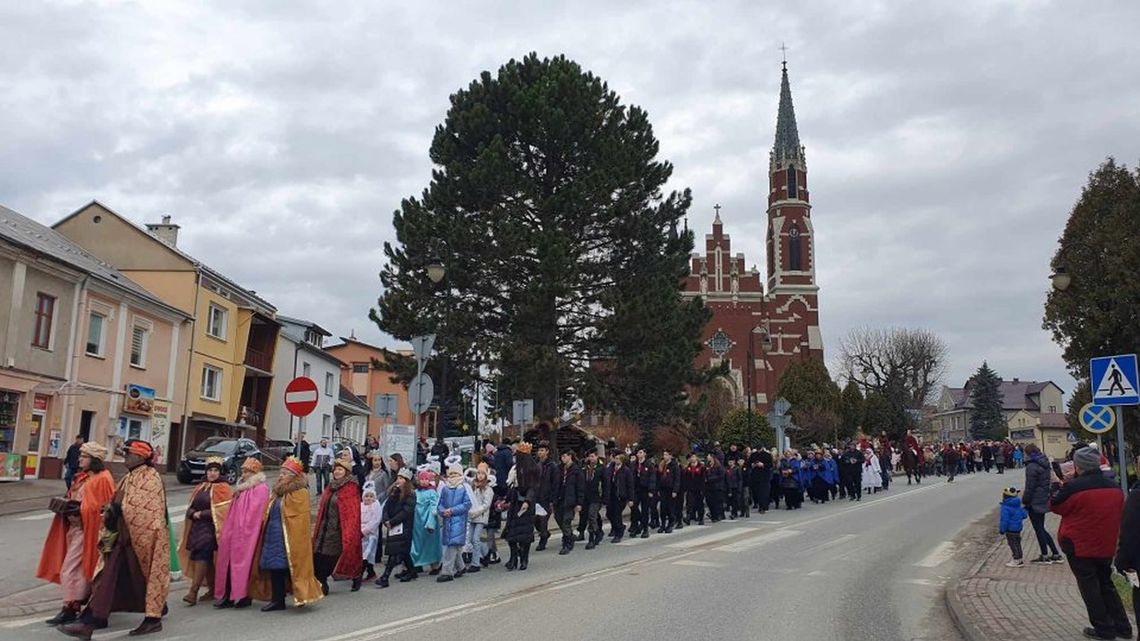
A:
(239, 538)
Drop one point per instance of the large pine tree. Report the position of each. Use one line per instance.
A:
(986, 419)
(546, 208)
(851, 410)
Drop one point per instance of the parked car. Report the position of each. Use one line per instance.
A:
(233, 451)
(274, 452)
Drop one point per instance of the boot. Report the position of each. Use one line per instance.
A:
(513, 563)
(524, 556)
(68, 614)
(243, 603)
(356, 584)
(147, 626)
(541, 544)
(369, 572)
(467, 558)
(581, 535)
(565, 550)
(78, 629)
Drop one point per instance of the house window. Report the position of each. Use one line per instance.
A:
(96, 331)
(216, 322)
(306, 370)
(795, 258)
(45, 313)
(793, 191)
(328, 384)
(326, 425)
(211, 383)
(1052, 409)
(360, 368)
(139, 340)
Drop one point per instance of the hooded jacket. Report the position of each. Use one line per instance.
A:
(1037, 475)
(1012, 514)
(1090, 507)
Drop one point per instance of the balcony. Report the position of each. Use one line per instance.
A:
(258, 359)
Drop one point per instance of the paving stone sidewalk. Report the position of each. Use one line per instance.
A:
(17, 497)
(1034, 603)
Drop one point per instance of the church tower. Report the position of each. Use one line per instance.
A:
(792, 289)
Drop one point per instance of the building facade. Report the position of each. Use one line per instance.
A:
(1027, 406)
(86, 351)
(366, 383)
(229, 375)
(764, 322)
(300, 352)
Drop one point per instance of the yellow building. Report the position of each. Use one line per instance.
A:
(1048, 431)
(230, 373)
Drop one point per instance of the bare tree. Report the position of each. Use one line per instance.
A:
(902, 364)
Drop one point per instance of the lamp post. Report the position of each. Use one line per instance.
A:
(435, 273)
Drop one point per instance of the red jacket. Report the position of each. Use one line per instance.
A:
(1090, 506)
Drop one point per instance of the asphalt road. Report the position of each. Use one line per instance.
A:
(869, 570)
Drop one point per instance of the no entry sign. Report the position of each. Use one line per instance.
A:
(301, 395)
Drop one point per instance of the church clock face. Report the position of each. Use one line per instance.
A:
(720, 343)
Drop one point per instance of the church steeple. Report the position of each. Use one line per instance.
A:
(787, 148)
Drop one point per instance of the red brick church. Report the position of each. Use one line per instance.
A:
(761, 326)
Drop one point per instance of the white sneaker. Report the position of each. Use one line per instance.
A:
(1015, 564)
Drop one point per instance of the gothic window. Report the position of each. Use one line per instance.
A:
(793, 192)
(795, 259)
(720, 343)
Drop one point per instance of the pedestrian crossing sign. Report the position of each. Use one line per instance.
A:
(1114, 380)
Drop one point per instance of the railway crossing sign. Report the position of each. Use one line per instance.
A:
(1097, 419)
(1114, 380)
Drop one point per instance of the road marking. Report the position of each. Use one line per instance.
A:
(398, 623)
(939, 555)
(830, 544)
(923, 582)
(757, 541)
(708, 538)
(698, 564)
(19, 623)
(816, 573)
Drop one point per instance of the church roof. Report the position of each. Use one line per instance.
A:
(787, 145)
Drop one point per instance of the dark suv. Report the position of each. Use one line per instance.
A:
(233, 451)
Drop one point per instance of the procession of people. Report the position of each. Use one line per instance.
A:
(109, 548)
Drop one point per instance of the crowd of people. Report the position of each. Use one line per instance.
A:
(378, 519)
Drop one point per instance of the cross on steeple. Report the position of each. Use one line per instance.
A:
(784, 49)
(717, 208)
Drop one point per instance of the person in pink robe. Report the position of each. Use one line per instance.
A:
(238, 541)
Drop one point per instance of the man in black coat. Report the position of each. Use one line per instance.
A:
(571, 496)
(594, 486)
(669, 489)
(619, 494)
(71, 461)
(851, 472)
(547, 491)
(302, 451)
(760, 478)
(645, 473)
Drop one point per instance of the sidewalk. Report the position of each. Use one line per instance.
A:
(32, 495)
(1034, 603)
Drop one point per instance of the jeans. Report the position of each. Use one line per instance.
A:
(1094, 580)
(1044, 539)
(475, 541)
(1014, 541)
(452, 560)
(68, 475)
(322, 478)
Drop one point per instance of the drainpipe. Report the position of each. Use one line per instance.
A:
(72, 374)
(189, 370)
(296, 352)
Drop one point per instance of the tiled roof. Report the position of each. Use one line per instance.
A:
(21, 230)
(349, 399)
(1054, 420)
(1016, 395)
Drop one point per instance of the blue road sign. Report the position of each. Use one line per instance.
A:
(1097, 419)
(1114, 380)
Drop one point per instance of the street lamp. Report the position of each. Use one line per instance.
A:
(1061, 279)
(435, 270)
(435, 273)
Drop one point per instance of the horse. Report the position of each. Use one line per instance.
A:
(912, 463)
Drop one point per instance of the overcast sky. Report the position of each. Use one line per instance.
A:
(946, 142)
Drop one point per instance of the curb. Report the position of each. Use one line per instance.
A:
(43, 607)
(953, 600)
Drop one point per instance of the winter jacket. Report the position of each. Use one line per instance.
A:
(645, 473)
(693, 478)
(481, 502)
(1090, 507)
(594, 484)
(1037, 478)
(456, 499)
(715, 479)
(520, 523)
(619, 486)
(571, 488)
(547, 483)
(669, 479)
(1012, 514)
(1128, 549)
(399, 515)
(830, 471)
(504, 459)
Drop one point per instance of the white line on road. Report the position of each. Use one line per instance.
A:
(830, 544)
(939, 555)
(698, 564)
(398, 623)
(757, 541)
(708, 538)
(19, 623)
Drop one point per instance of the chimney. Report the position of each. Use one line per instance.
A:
(166, 231)
(1016, 380)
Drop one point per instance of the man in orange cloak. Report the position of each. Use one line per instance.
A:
(71, 551)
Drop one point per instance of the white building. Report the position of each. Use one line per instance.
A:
(300, 352)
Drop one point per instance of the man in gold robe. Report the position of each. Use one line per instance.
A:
(284, 558)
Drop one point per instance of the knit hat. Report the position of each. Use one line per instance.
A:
(1086, 459)
(454, 470)
(94, 450)
(405, 473)
(1010, 491)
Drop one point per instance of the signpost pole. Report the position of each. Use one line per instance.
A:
(1120, 449)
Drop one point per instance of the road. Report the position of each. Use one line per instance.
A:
(868, 570)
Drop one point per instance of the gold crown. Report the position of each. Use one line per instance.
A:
(215, 460)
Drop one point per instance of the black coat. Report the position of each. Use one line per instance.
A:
(714, 479)
(693, 479)
(669, 479)
(1128, 547)
(619, 487)
(757, 475)
(645, 474)
(571, 487)
(520, 523)
(547, 483)
(396, 513)
(305, 453)
(595, 488)
(1037, 484)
